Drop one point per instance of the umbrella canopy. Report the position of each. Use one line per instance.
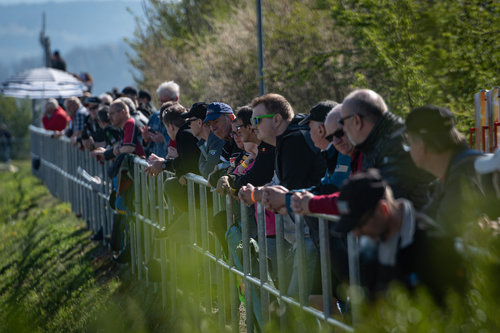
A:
(41, 83)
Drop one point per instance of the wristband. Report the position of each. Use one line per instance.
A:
(244, 165)
(108, 154)
(252, 197)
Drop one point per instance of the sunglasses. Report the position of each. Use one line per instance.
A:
(257, 119)
(338, 134)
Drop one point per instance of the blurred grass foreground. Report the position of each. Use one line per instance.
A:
(53, 278)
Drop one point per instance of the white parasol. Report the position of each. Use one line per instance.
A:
(42, 83)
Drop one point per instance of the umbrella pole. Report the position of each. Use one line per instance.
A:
(36, 115)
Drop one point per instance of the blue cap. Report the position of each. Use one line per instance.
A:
(215, 109)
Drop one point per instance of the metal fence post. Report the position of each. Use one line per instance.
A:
(246, 269)
(261, 232)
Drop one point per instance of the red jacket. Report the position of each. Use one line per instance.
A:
(327, 203)
(57, 122)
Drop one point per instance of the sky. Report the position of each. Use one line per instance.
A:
(71, 25)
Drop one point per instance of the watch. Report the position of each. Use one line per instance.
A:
(164, 165)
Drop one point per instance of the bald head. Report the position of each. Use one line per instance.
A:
(366, 103)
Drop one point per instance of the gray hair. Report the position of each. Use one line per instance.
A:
(72, 100)
(129, 103)
(106, 99)
(168, 89)
(52, 104)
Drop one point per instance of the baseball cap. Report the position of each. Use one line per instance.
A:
(319, 112)
(358, 196)
(197, 110)
(488, 163)
(430, 119)
(214, 110)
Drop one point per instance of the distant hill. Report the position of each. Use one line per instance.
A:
(108, 65)
(88, 34)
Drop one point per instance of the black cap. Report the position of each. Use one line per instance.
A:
(319, 112)
(197, 110)
(144, 94)
(103, 114)
(358, 196)
(430, 119)
(129, 91)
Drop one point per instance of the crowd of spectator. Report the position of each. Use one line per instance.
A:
(407, 188)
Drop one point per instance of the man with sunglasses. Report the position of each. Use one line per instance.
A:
(305, 202)
(340, 166)
(210, 145)
(297, 164)
(378, 134)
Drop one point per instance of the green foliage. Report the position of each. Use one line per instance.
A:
(416, 52)
(16, 114)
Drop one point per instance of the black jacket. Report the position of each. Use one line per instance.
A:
(188, 151)
(462, 187)
(383, 150)
(298, 164)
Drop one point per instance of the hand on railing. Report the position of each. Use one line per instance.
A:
(223, 186)
(274, 198)
(98, 153)
(250, 194)
(300, 202)
(57, 134)
(155, 165)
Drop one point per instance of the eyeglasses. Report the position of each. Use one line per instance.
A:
(257, 119)
(343, 119)
(190, 120)
(94, 107)
(238, 128)
(338, 134)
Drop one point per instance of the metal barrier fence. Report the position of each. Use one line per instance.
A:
(62, 168)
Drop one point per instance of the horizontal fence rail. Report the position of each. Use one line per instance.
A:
(75, 177)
